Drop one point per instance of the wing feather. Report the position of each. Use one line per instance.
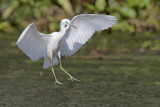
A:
(33, 43)
(86, 25)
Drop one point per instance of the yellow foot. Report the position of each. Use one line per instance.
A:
(72, 79)
(57, 82)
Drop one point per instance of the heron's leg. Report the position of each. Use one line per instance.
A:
(56, 81)
(71, 77)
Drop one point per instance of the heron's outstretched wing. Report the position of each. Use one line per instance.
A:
(33, 43)
(86, 25)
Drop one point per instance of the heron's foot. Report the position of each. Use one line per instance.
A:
(57, 82)
(72, 78)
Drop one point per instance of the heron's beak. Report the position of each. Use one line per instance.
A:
(73, 26)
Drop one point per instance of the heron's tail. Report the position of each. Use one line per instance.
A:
(48, 62)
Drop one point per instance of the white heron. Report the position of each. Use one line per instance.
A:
(71, 37)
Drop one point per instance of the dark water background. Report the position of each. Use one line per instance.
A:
(128, 81)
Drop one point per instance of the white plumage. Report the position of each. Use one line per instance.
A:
(70, 39)
(86, 25)
(33, 43)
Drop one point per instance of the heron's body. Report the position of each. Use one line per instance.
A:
(66, 42)
(53, 42)
(52, 47)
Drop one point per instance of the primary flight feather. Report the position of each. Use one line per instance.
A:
(66, 42)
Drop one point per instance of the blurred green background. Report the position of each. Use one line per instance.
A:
(118, 67)
(137, 29)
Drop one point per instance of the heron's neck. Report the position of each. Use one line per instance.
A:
(62, 31)
(63, 28)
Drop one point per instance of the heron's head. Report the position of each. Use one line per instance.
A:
(66, 22)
